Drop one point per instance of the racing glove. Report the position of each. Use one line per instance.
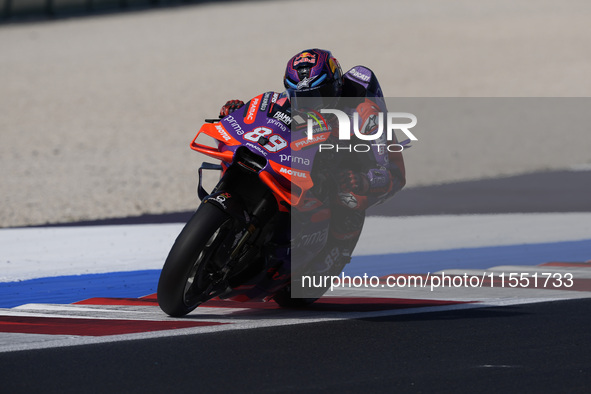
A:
(358, 191)
(230, 106)
(368, 116)
(351, 181)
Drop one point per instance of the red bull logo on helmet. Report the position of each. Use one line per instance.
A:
(305, 57)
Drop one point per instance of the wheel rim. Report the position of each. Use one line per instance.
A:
(202, 274)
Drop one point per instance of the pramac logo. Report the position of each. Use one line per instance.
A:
(251, 113)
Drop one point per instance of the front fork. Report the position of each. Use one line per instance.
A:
(227, 196)
(206, 166)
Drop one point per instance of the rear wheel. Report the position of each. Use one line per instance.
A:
(192, 269)
(283, 299)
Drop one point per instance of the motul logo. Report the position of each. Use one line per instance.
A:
(291, 172)
(223, 133)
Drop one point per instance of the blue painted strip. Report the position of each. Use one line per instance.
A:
(68, 289)
(470, 258)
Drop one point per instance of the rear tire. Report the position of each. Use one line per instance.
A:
(283, 299)
(187, 272)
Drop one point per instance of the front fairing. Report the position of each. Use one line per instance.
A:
(287, 158)
(262, 126)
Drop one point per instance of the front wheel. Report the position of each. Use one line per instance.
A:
(191, 270)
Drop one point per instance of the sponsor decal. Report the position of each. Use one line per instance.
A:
(277, 123)
(283, 117)
(251, 112)
(348, 200)
(308, 58)
(359, 75)
(221, 199)
(234, 124)
(306, 142)
(312, 239)
(291, 172)
(370, 124)
(275, 97)
(299, 177)
(223, 132)
(257, 148)
(265, 102)
(294, 159)
(305, 83)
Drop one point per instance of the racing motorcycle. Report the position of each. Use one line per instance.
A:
(272, 198)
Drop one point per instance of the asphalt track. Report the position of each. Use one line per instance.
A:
(516, 347)
(533, 348)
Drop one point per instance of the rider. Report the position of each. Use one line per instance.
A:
(315, 73)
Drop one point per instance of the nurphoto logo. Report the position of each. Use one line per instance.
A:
(369, 131)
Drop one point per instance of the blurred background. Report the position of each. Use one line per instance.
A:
(99, 99)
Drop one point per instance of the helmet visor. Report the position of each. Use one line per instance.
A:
(314, 99)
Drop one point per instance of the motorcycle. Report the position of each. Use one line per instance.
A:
(272, 198)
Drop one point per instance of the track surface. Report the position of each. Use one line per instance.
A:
(407, 340)
(532, 348)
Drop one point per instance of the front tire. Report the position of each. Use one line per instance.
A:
(188, 274)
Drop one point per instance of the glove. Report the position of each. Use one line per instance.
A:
(351, 181)
(368, 116)
(230, 106)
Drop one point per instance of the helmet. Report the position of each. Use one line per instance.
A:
(314, 73)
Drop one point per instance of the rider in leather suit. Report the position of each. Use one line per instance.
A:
(315, 76)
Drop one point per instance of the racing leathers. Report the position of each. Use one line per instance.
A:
(361, 179)
(364, 178)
